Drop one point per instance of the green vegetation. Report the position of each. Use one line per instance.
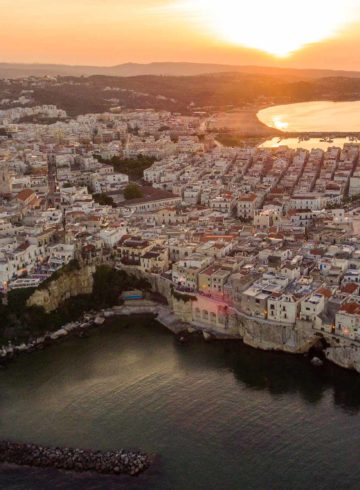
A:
(132, 191)
(20, 323)
(38, 119)
(72, 266)
(182, 296)
(109, 283)
(104, 200)
(134, 131)
(210, 93)
(3, 132)
(133, 167)
(351, 199)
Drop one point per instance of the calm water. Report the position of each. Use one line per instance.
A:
(314, 116)
(306, 145)
(220, 415)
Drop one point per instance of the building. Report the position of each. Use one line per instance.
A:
(283, 308)
(246, 206)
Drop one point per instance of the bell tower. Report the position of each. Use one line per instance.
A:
(5, 181)
(53, 198)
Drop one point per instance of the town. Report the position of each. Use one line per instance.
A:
(250, 242)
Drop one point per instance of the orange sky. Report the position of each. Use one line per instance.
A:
(109, 32)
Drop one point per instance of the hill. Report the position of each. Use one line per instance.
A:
(18, 70)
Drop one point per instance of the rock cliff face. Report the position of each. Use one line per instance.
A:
(256, 333)
(182, 309)
(66, 286)
(345, 356)
(265, 336)
(160, 285)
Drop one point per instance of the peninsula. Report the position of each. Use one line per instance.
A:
(111, 209)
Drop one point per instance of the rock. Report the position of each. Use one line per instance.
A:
(74, 459)
(99, 320)
(315, 361)
(66, 286)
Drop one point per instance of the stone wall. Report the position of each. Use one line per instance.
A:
(66, 286)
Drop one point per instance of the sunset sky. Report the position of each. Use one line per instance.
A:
(307, 33)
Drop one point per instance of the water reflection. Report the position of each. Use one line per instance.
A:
(313, 117)
(305, 144)
(218, 413)
(128, 353)
(276, 373)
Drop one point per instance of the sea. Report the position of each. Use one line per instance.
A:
(320, 116)
(215, 415)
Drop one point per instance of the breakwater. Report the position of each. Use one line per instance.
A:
(110, 462)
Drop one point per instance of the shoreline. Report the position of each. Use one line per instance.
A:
(246, 124)
(266, 336)
(161, 313)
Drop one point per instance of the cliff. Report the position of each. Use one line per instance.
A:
(347, 357)
(255, 332)
(66, 286)
(264, 335)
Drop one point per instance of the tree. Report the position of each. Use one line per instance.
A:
(132, 191)
(133, 167)
(104, 200)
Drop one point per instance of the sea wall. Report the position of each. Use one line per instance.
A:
(66, 286)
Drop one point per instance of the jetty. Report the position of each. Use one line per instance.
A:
(80, 460)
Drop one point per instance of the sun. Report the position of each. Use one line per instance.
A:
(277, 27)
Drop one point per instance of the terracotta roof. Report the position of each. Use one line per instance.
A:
(316, 251)
(248, 197)
(324, 292)
(350, 288)
(211, 238)
(25, 194)
(351, 308)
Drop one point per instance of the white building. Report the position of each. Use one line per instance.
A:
(283, 308)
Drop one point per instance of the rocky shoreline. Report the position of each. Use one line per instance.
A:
(254, 334)
(10, 352)
(89, 321)
(111, 462)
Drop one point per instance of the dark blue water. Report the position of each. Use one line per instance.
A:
(218, 415)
